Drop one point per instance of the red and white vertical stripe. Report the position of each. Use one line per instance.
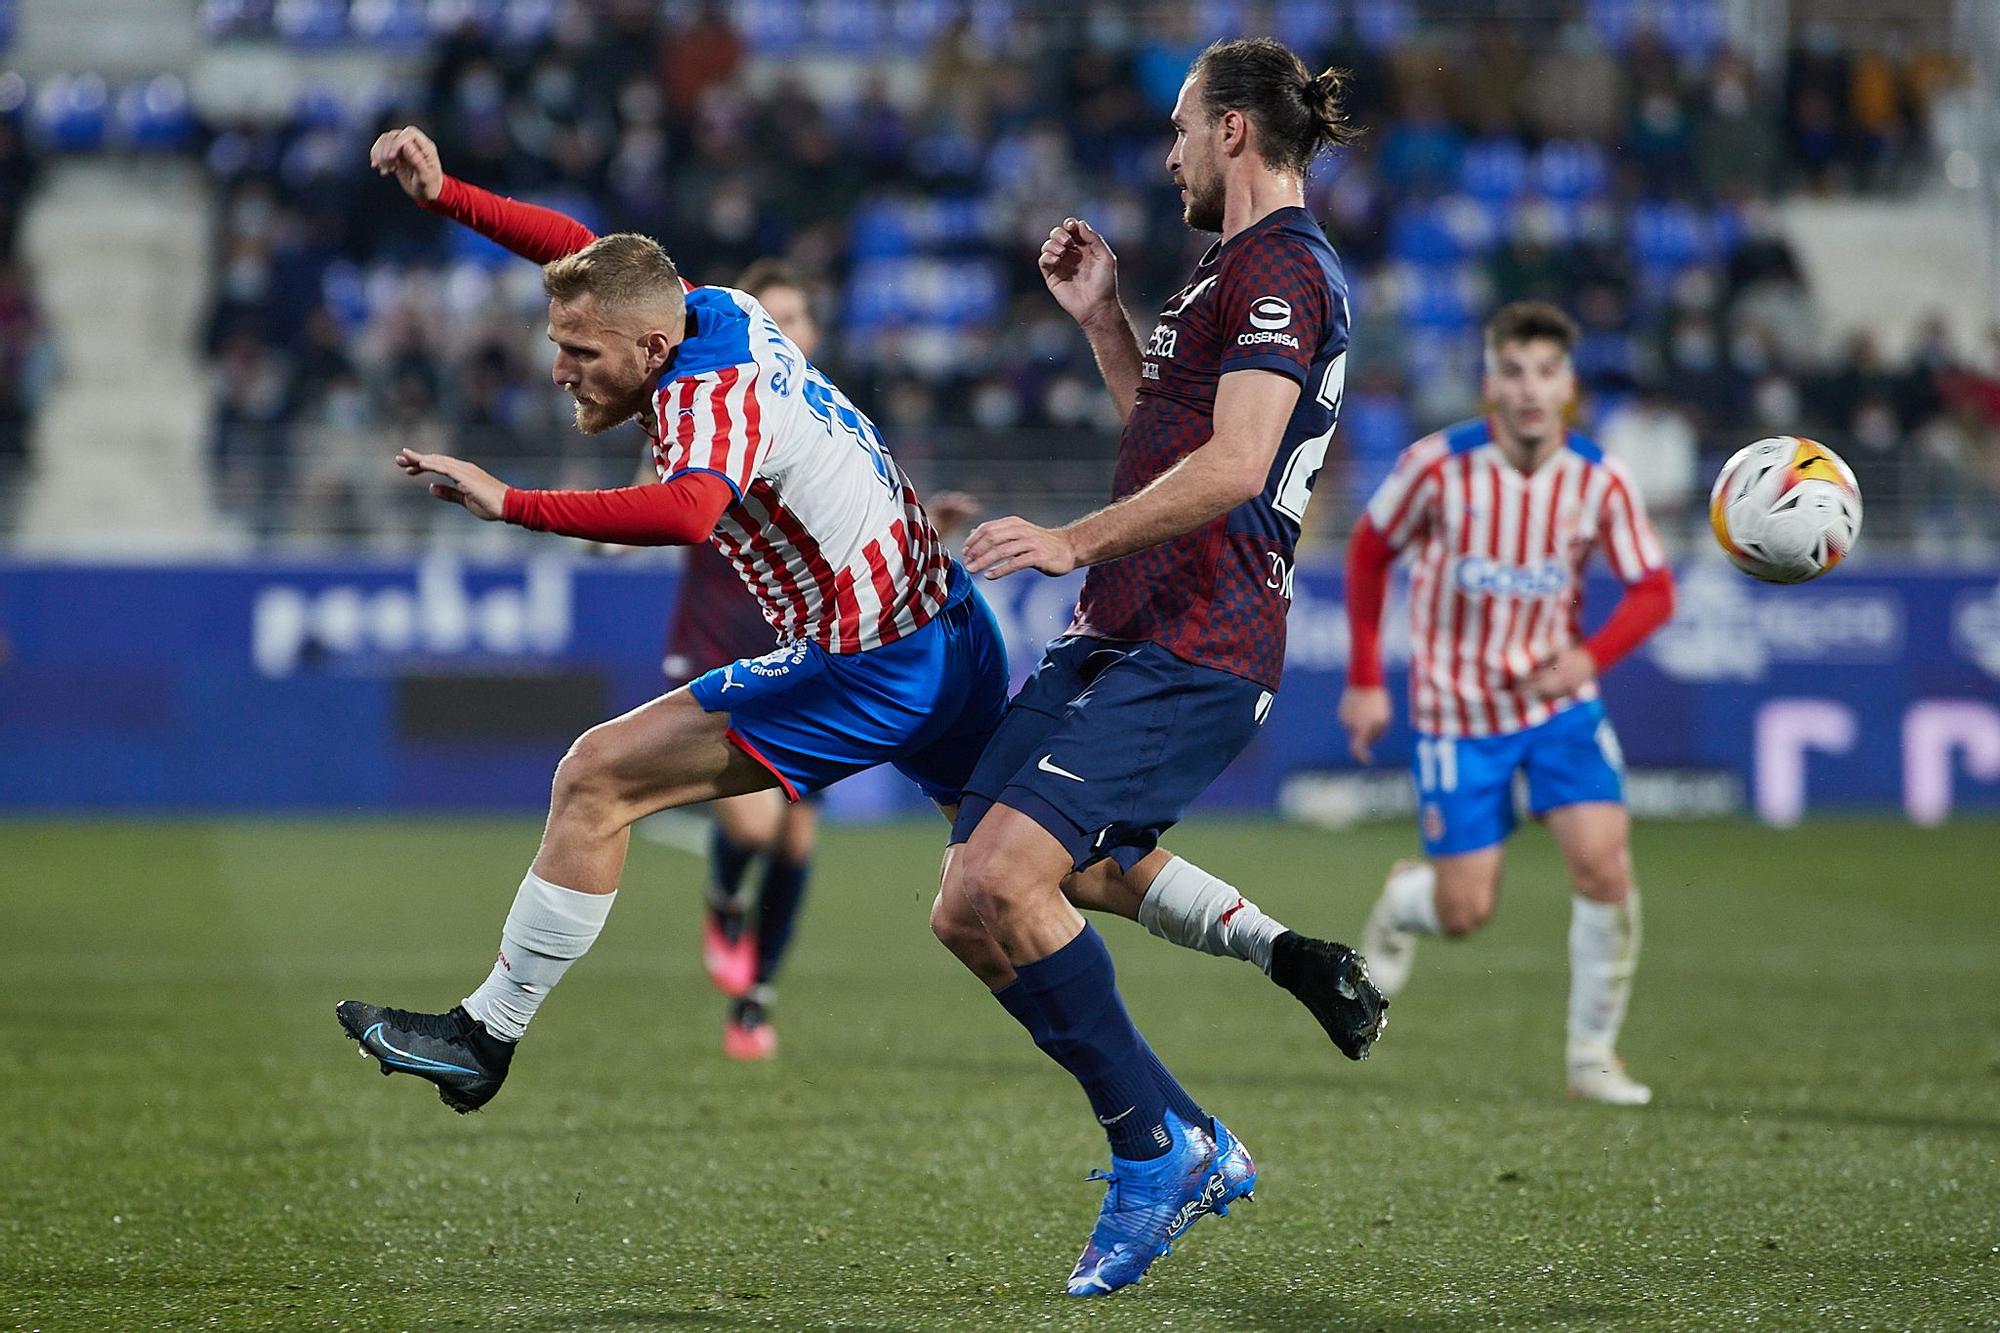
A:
(832, 551)
(1495, 588)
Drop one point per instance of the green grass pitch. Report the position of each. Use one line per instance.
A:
(189, 1141)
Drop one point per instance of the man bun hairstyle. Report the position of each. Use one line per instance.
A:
(1525, 321)
(1296, 114)
(625, 273)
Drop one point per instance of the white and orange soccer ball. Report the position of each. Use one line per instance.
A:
(1785, 509)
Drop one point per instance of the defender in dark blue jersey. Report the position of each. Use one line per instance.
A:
(1171, 664)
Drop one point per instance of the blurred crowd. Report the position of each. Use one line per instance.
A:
(1623, 163)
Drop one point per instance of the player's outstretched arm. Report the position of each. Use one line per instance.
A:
(1251, 409)
(674, 513)
(529, 230)
(458, 482)
(1081, 272)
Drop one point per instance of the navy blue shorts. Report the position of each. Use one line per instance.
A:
(1107, 744)
(925, 704)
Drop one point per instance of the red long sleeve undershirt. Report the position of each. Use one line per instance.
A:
(1646, 605)
(529, 230)
(680, 512)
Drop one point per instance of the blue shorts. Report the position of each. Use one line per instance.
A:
(1108, 742)
(926, 704)
(1465, 784)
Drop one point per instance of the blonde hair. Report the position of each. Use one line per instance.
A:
(624, 272)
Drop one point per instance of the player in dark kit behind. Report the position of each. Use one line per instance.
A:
(1174, 656)
(715, 621)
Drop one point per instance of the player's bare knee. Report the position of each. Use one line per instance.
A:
(985, 884)
(586, 785)
(1462, 916)
(955, 924)
(1603, 879)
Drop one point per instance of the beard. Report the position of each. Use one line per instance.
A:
(596, 418)
(1204, 206)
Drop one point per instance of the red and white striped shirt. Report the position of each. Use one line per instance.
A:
(825, 530)
(1496, 584)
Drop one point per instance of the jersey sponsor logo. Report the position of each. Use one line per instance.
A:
(1496, 578)
(1266, 336)
(1268, 312)
(1161, 344)
(778, 662)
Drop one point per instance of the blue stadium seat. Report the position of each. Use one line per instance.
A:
(1306, 25)
(1384, 24)
(1691, 29)
(1421, 234)
(1669, 234)
(155, 116)
(1570, 170)
(311, 23)
(1493, 170)
(13, 98)
(880, 229)
(397, 24)
(71, 113)
(344, 291)
(1441, 297)
(526, 22)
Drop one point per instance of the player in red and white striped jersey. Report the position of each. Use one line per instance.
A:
(888, 656)
(1498, 517)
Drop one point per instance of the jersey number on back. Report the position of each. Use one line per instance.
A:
(1296, 482)
(840, 416)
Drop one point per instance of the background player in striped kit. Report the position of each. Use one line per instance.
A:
(1499, 516)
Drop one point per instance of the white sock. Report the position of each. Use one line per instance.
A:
(1603, 952)
(1192, 908)
(1412, 897)
(548, 928)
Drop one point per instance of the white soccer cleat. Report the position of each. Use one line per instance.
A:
(1606, 1082)
(1390, 950)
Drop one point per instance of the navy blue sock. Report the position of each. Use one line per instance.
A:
(1090, 1035)
(1184, 1106)
(778, 898)
(1014, 998)
(726, 864)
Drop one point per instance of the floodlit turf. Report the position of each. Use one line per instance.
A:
(189, 1139)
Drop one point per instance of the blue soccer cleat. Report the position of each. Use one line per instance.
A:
(1238, 1172)
(1149, 1204)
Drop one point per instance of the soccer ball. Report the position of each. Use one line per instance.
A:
(1785, 509)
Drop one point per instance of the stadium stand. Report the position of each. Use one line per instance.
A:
(1633, 165)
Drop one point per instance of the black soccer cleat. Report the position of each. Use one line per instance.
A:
(1331, 981)
(452, 1050)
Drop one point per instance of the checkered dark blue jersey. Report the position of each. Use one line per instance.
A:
(1272, 297)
